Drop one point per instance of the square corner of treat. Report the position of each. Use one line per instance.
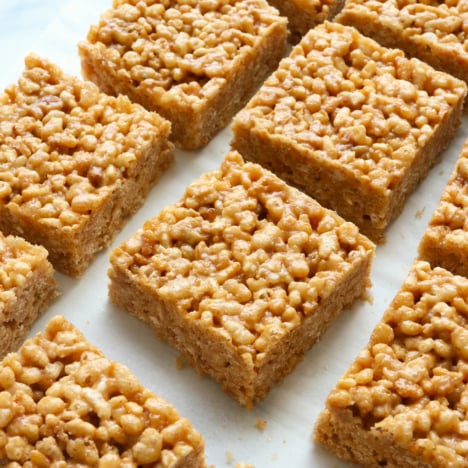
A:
(27, 288)
(63, 401)
(401, 399)
(72, 153)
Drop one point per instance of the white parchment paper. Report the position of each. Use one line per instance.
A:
(53, 28)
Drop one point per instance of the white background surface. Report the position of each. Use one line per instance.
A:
(53, 28)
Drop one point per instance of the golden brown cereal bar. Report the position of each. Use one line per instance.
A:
(27, 287)
(445, 241)
(74, 163)
(403, 401)
(305, 14)
(63, 403)
(353, 124)
(196, 62)
(433, 31)
(242, 275)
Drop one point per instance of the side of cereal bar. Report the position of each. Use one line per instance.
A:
(402, 402)
(305, 14)
(351, 123)
(433, 32)
(27, 287)
(194, 62)
(445, 241)
(74, 163)
(243, 275)
(65, 404)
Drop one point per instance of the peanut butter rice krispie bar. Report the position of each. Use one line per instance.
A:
(27, 287)
(433, 31)
(74, 163)
(403, 401)
(353, 124)
(445, 241)
(196, 62)
(305, 14)
(242, 275)
(63, 403)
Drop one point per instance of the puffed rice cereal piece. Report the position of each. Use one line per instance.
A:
(242, 275)
(353, 124)
(403, 401)
(194, 62)
(63, 403)
(445, 241)
(74, 163)
(435, 32)
(27, 287)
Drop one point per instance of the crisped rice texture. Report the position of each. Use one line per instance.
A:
(242, 275)
(433, 31)
(195, 62)
(445, 241)
(403, 401)
(27, 287)
(63, 403)
(353, 124)
(74, 163)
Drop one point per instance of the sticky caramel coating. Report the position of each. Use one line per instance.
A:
(410, 382)
(63, 402)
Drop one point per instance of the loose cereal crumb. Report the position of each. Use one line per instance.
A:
(229, 457)
(419, 213)
(261, 424)
(180, 362)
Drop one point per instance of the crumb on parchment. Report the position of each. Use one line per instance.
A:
(180, 362)
(261, 424)
(419, 213)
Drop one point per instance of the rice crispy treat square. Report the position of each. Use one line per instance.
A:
(74, 163)
(351, 123)
(27, 287)
(445, 241)
(63, 403)
(433, 31)
(403, 401)
(243, 275)
(194, 62)
(305, 14)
